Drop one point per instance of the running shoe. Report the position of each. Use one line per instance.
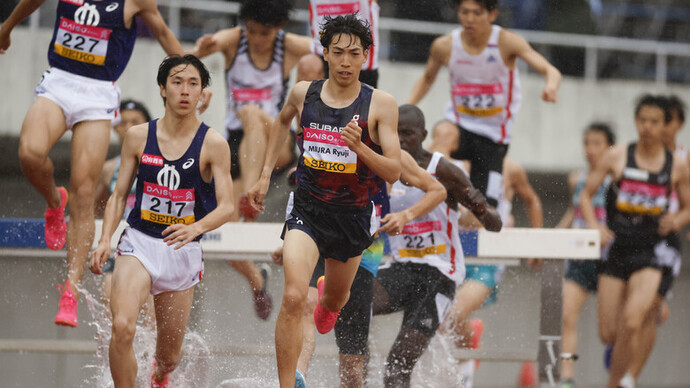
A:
(246, 210)
(156, 384)
(467, 373)
(568, 384)
(55, 228)
(323, 319)
(627, 381)
(262, 300)
(528, 375)
(607, 356)
(299, 380)
(477, 326)
(67, 307)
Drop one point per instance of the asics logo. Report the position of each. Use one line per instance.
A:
(188, 163)
(112, 7)
(87, 15)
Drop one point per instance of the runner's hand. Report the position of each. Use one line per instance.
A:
(180, 234)
(393, 223)
(667, 224)
(606, 235)
(205, 100)
(4, 40)
(205, 46)
(352, 136)
(549, 94)
(257, 194)
(277, 256)
(491, 220)
(98, 257)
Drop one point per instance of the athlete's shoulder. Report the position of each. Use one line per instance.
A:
(378, 96)
(296, 42)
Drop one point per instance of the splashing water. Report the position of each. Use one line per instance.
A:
(193, 371)
(438, 367)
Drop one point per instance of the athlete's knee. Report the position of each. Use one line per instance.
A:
(312, 300)
(607, 334)
(310, 67)
(335, 302)
(123, 330)
(82, 195)
(250, 115)
(168, 361)
(294, 300)
(569, 321)
(632, 321)
(30, 155)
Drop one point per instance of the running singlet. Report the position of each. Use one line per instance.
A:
(170, 191)
(598, 201)
(90, 39)
(635, 204)
(328, 170)
(247, 84)
(485, 94)
(366, 10)
(132, 197)
(431, 239)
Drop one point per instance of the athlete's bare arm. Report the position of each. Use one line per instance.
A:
(148, 10)
(569, 215)
(460, 190)
(276, 138)
(520, 184)
(215, 166)
(516, 46)
(383, 129)
(439, 55)
(296, 46)
(225, 41)
(415, 176)
(612, 162)
(19, 13)
(132, 148)
(102, 191)
(681, 183)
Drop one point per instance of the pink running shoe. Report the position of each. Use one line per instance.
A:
(156, 384)
(477, 326)
(67, 311)
(324, 319)
(55, 226)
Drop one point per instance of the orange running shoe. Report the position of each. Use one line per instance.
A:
(324, 319)
(55, 227)
(67, 307)
(477, 326)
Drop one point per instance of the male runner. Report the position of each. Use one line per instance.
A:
(349, 150)
(91, 45)
(581, 275)
(184, 189)
(313, 66)
(643, 176)
(485, 88)
(259, 56)
(428, 260)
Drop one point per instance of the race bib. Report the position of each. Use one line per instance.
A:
(337, 9)
(420, 241)
(325, 150)
(641, 198)
(82, 43)
(480, 100)
(243, 97)
(161, 205)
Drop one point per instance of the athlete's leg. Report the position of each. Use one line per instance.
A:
(90, 141)
(647, 338)
(131, 286)
(43, 126)
(308, 335)
(338, 281)
(300, 255)
(610, 297)
(574, 296)
(409, 345)
(469, 298)
(351, 370)
(172, 316)
(309, 68)
(641, 292)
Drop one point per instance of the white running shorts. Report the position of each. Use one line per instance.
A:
(170, 269)
(80, 98)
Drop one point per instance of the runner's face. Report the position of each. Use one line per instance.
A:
(410, 138)
(129, 118)
(182, 89)
(650, 124)
(345, 56)
(671, 129)
(595, 146)
(474, 18)
(260, 36)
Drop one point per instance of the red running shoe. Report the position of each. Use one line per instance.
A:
(67, 310)
(477, 326)
(323, 319)
(55, 226)
(155, 384)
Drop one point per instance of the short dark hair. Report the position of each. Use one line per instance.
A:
(173, 61)
(655, 101)
(135, 105)
(604, 129)
(348, 24)
(489, 5)
(675, 104)
(269, 12)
